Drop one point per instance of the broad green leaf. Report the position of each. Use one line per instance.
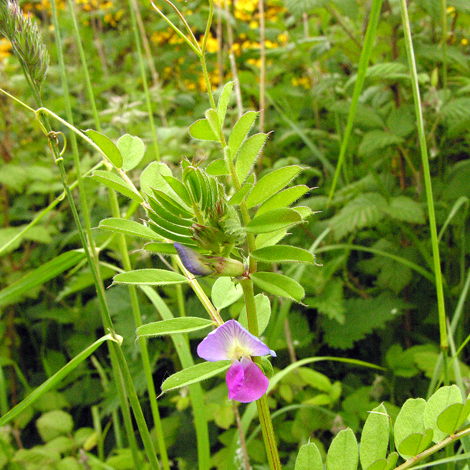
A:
(107, 146)
(162, 210)
(173, 326)
(194, 374)
(171, 205)
(384, 464)
(53, 381)
(278, 284)
(274, 220)
(452, 418)
(217, 168)
(202, 130)
(222, 104)
(151, 179)
(132, 150)
(239, 196)
(161, 247)
(128, 227)
(179, 188)
(283, 254)
(240, 131)
(405, 209)
(169, 226)
(271, 183)
(343, 453)
(315, 379)
(39, 276)
(174, 237)
(149, 277)
(375, 436)
(410, 420)
(308, 458)
(247, 155)
(283, 198)
(117, 183)
(53, 424)
(270, 238)
(225, 292)
(415, 443)
(437, 403)
(213, 120)
(263, 313)
(376, 140)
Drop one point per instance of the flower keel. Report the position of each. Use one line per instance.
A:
(245, 381)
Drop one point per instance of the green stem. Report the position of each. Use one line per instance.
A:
(262, 403)
(444, 43)
(427, 176)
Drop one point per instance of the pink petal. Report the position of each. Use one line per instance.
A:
(245, 381)
(231, 341)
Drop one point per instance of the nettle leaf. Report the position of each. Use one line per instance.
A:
(274, 220)
(271, 183)
(224, 99)
(309, 458)
(405, 209)
(240, 131)
(127, 227)
(376, 140)
(247, 155)
(410, 420)
(453, 417)
(343, 453)
(437, 403)
(456, 110)
(278, 284)
(329, 301)
(174, 326)
(202, 130)
(362, 317)
(194, 374)
(107, 146)
(149, 277)
(283, 254)
(263, 313)
(283, 198)
(225, 292)
(375, 437)
(115, 182)
(366, 210)
(132, 150)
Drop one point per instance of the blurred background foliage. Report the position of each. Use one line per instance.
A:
(374, 296)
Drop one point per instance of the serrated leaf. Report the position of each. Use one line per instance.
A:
(410, 420)
(222, 104)
(107, 146)
(263, 313)
(149, 277)
(174, 326)
(405, 209)
(437, 403)
(240, 131)
(246, 156)
(202, 130)
(132, 150)
(456, 110)
(225, 292)
(283, 254)
(274, 220)
(117, 183)
(39, 276)
(376, 140)
(309, 458)
(343, 453)
(375, 437)
(127, 227)
(415, 443)
(194, 374)
(278, 284)
(283, 198)
(217, 168)
(452, 418)
(271, 183)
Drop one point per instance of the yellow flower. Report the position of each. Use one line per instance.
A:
(464, 42)
(5, 48)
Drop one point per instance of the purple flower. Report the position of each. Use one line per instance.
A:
(245, 380)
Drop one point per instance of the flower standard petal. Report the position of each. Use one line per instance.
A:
(231, 341)
(248, 384)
